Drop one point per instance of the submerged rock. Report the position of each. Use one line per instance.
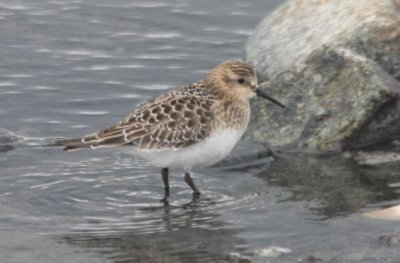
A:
(273, 252)
(331, 185)
(336, 65)
(7, 139)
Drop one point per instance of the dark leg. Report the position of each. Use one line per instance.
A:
(189, 182)
(164, 176)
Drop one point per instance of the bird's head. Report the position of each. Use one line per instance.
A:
(237, 78)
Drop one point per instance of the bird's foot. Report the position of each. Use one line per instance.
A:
(196, 195)
(164, 201)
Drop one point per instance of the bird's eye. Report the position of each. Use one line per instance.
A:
(241, 81)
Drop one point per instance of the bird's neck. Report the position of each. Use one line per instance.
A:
(233, 112)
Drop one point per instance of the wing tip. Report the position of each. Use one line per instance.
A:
(72, 148)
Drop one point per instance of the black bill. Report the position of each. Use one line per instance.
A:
(264, 95)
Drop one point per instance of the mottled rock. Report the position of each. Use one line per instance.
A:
(337, 100)
(336, 63)
(298, 27)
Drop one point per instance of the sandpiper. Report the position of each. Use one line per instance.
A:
(191, 127)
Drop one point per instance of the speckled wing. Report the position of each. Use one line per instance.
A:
(172, 121)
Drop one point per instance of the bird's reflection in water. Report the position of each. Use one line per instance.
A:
(333, 184)
(162, 233)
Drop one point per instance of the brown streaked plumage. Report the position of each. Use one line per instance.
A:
(180, 128)
(172, 121)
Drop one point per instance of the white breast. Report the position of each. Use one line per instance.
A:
(202, 154)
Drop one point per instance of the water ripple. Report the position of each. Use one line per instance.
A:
(93, 112)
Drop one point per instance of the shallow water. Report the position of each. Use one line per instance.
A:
(68, 68)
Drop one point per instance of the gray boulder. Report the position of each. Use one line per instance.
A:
(336, 100)
(297, 28)
(336, 64)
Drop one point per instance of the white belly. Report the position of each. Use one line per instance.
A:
(202, 154)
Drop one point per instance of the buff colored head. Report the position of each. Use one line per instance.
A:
(239, 78)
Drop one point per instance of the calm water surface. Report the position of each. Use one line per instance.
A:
(68, 68)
